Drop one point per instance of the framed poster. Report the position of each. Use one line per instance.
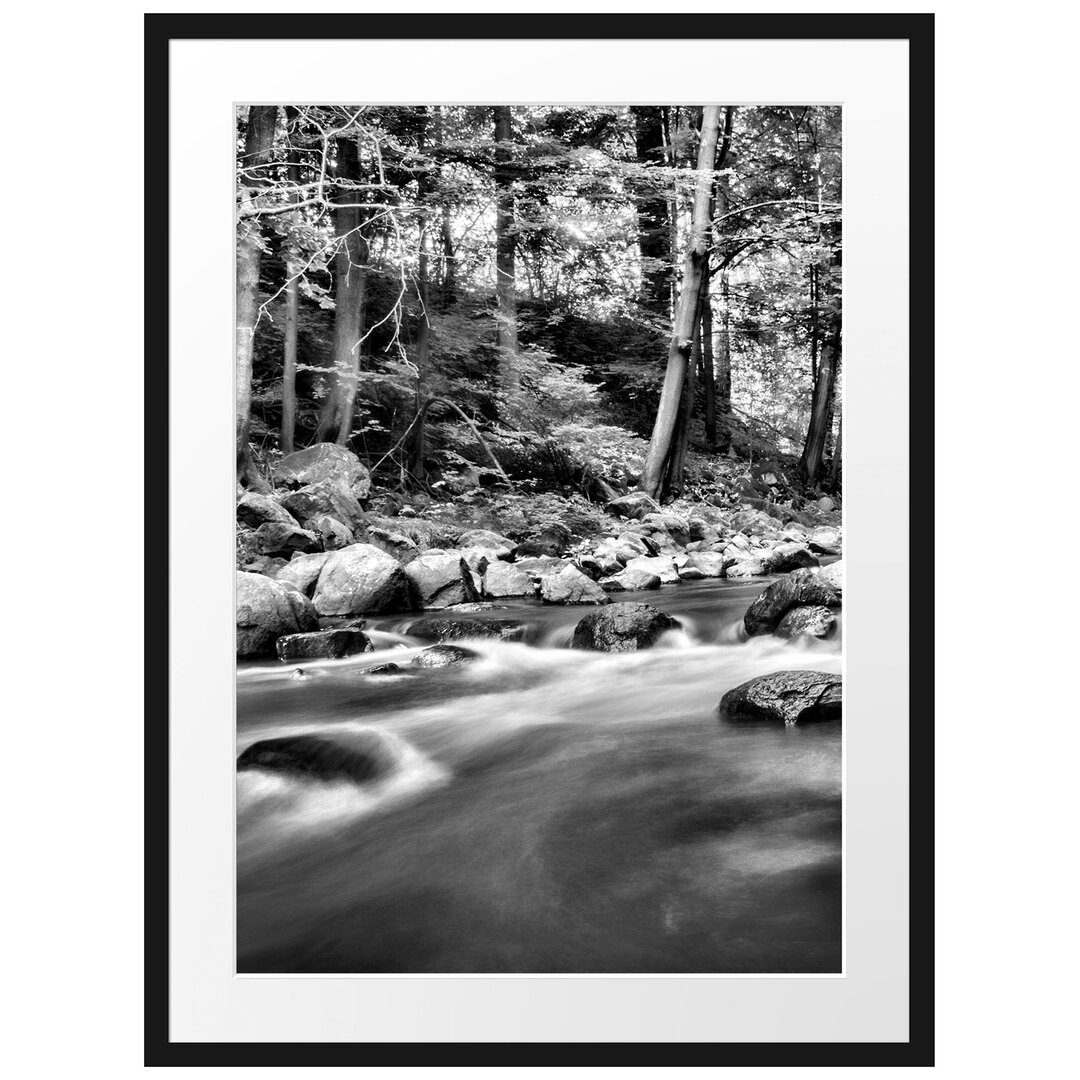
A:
(504, 707)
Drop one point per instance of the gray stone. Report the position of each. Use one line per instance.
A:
(788, 697)
(254, 510)
(788, 556)
(813, 620)
(324, 461)
(360, 579)
(267, 609)
(708, 564)
(302, 571)
(663, 566)
(571, 586)
(330, 497)
(443, 656)
(323, 645)
(507, 579)
(634, 505)
(797, 589)
(276, 536)
(442, 578)
(622, 627)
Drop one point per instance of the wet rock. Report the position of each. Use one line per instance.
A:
(442, 578)
(361, 579)
(797, 589)
(302, 571)
(630, 581)
(363, 757)
(708, 564)
(789, 556)
(662, 566)
(833, 575)
(437, 656)
(622, 627)
(789, 697)
(634, 505)
(323, 645)
(382, 669)
(267, 609)
(745, 568)
(571, 586)
(450, 629)
(275, 537)
(324, 461)
(328, 497)
(810, 621)
(254, 510)
(827, 540)
(507, 579)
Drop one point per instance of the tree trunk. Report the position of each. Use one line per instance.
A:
(654, 238)
(505, 291)
(350, 287)
(686, 315)
(676, 473)
(258, 143)
(423, 332)
(708, 370)
(723, 379)
(449, 267)
(821, 404)
(836, 467)
(292, 315)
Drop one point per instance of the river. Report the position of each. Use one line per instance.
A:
(545, 809)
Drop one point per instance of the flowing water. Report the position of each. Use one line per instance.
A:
(545, 809)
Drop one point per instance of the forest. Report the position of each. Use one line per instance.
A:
(498, 301)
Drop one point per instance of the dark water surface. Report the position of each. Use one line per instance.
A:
(546, 809)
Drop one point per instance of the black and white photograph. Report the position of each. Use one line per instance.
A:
(539, 545)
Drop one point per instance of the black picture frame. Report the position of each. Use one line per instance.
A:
(918, 30)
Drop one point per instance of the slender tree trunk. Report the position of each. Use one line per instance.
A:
(723, 377)
(708, 369)
(258, 143)
(686, 314)
(292, 318)
(448, 281)
(836, 467)
(350, 287)
(813, 453)
(654, 237)
(676, 473)
(423, 332)
(505, 290)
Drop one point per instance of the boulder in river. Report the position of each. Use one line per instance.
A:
(442, 578)
(276, 537)
(797, 589)
(788, 556)
(708, 564)
(538, 566)
(265, 610)
(630, 580)
(361, 757)
(450, 629)
(508, 579)
(253, 510)
(827, 540)
(789, 697)
(811, 620)
(663, 566)
(302, 571)
(436, 656)
(323, 461)
(634, 505)
(360, 579)
(571, 586)
(323, 645)
(833, 575)
(622, 627)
